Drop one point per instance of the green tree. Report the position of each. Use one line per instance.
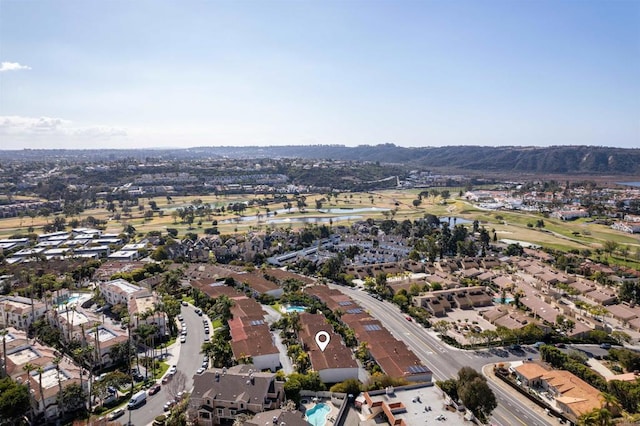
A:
(73, 398)
(401, 300)
(442, 326)
(450, 387)
(475, 393)
(130, 230)
(160, 254)
(349, 386)
(609, 247)
(292, 388)
(610, 402)
(478, 397)
(14, 401)
(596, 417)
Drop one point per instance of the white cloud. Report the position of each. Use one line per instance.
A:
(13, 66)
(35, 129)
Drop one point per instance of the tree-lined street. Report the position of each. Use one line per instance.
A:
(187, 358)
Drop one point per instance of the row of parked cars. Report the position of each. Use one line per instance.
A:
(183, 332)
(140, 397)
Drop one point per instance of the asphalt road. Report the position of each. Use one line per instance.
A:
(445, 362)
(189, 361)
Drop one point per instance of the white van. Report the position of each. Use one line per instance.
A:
(137, 400)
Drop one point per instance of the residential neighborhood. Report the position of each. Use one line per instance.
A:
(402, 306)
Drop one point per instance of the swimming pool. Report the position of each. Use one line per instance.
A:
(71, 299)
(507, 300)
(294, 308)
(317, 415)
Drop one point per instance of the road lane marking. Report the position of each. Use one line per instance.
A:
(421, 342)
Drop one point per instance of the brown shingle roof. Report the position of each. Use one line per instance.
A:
(335, 355)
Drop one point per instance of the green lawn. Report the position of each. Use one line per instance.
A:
(579, 234)
(163, 369)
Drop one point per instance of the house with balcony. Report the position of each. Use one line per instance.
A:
(20, 312)
(220, 395)
(33, 364)
(334, 363)
(140, 302)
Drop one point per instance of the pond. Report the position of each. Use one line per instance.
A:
(304, 219)
(452, 220)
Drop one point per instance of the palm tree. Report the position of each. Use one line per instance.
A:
(222, 307)
(4, 333)
(82, 355)
(144, 332)
(28, 368)
(44, 407)
(596, 417)
(56, 362)
(294, 322)
(208, 348)
(362, 353)
(610, 402)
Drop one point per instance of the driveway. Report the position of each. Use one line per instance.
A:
(272, 316)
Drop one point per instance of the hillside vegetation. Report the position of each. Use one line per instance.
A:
(585, 160)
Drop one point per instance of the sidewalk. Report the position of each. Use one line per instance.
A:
(487, 370)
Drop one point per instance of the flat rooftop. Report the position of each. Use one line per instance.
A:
(75, 317)
(124, 286)
(16, 304)
(9, 337)
(50, 378)
(23, 356)
(145, 303)
(411, 405)
(103, 335)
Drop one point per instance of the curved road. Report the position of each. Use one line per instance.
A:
(445, 362)
(189, 360)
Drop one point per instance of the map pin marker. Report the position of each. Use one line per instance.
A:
(322, 339)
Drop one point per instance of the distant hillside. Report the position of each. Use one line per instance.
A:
(557, 159)
(547, 160)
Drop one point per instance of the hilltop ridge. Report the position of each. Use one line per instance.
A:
(508, 159)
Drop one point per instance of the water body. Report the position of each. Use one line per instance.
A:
(358, 210)
(312, 219)
(304, 219)
(454, 220)
(636, 184)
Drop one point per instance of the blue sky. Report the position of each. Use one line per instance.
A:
(113, 74)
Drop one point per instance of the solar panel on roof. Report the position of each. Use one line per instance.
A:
(345, 303)
(354, 311)
(415, 369)
(372, 327)
(257, 322)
